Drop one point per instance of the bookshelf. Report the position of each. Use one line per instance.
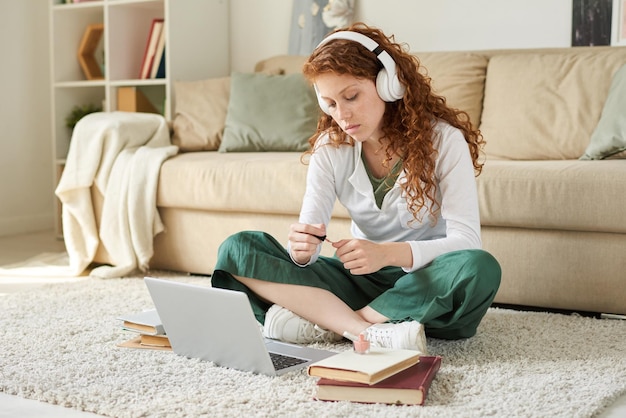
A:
(197, 47)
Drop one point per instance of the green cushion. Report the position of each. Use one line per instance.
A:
(269, 113)
(609, 136)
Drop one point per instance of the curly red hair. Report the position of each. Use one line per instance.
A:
(407, 123)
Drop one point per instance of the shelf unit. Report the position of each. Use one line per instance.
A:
(197, 47)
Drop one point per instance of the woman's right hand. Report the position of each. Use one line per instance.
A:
(303, 240)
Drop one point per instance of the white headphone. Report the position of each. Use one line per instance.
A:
(388, 85)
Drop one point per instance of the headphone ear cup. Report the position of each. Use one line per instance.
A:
(389, 88)
(382, 86)
(321, 102)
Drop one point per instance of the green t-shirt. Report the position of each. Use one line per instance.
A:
(382, 185)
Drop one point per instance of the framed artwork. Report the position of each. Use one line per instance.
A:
(591, 22)
(619, 23)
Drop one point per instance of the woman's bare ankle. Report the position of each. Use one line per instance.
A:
(371, 316)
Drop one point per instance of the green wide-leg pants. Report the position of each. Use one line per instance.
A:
(449, 296)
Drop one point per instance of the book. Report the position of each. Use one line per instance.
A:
(151, 45)
(136, 343)
(159, 55)
(408, 387)
(161, 69)
(370, 368)
(159, 340)
(146, 322)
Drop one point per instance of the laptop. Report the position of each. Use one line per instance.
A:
(218, 325)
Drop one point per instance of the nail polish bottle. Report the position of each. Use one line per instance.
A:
(361, 346)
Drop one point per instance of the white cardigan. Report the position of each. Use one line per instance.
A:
(339, 173)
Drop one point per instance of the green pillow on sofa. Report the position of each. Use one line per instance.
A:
(269, 113)
(609, 136)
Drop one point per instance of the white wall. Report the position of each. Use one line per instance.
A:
(259, 29)
(26, 202)
(447, 25)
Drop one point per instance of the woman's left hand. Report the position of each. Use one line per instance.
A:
(364, 257)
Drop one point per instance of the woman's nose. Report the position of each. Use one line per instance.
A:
(343, 112)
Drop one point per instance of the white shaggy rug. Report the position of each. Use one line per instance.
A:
(58, 345)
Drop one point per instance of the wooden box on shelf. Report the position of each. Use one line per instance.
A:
(131, 99)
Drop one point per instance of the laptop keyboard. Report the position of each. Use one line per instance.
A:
(282, 362)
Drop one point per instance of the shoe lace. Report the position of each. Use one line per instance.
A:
(312, 332)
(380, 337)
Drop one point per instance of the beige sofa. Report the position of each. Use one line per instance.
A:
(556, 224)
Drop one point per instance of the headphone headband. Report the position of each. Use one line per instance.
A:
(366, 41)
(388, 85)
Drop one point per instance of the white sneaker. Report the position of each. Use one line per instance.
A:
(403, 335)
(282, 324)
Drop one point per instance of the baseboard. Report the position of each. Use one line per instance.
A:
(542, 309)
(25, 224)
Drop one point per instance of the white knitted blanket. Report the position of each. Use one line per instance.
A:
(119, 153)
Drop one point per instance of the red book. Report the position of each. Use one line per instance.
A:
(151, 46)
(408, 387)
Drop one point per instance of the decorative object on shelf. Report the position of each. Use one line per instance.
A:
(78, 112)
(87, 49)
(131, 99)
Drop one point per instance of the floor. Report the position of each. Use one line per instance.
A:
(17, 248)
(14, 249)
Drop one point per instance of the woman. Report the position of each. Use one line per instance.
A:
(403, 163)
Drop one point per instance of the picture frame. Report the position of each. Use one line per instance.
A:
(592, 22)
(618, 24)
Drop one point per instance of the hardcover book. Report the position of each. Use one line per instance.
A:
(408, 387)
(151, 46)
(146, 322)
(155, 340)
(136, 343)
(159, 55)
(370, 368)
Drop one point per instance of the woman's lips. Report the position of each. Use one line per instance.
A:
(351, 128)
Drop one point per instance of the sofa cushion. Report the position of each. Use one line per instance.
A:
(253, 182)
(545, 105)
(269, 113)
(200, 113)
(459, 77)
(568, 195)
(609, 137)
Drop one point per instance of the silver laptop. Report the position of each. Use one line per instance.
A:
(218, 325)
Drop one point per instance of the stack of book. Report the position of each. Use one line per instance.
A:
(400, 377)
(148, 329)
(153, 63)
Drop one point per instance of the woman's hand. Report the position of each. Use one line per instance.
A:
(303, 241)
(364, 257)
